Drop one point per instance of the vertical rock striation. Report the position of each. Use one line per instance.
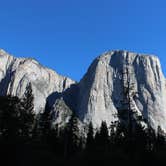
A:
(16, 73)
(101, 91)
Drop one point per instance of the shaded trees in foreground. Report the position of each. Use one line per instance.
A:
(25, 141)
(16, 126)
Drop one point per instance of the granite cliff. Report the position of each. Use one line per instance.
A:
(16, 73)
(101, 93)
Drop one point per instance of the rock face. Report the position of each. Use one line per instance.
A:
(101, 93)
(16, 73)
(102, 89)
(60, 113)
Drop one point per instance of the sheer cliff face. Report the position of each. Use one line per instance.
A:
(16, 73)
(102, 90)
(100, 95)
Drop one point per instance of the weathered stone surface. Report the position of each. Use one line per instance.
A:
(16, 73)
(60, 113)
(101, 92)
(100, 95)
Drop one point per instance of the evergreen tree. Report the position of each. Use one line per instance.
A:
(160, 141)
(53, 139)
(27, 112)
(43, 130)
(10, 118)
(151, 139)
(72, 136)
(113, 134)
(90, 138)
(28, 99)
(139, 140)
(97, 140)
(104, 137)
(45, 123)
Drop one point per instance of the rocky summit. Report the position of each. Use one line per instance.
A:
(115, 82)
(103, 89)
(16, 73)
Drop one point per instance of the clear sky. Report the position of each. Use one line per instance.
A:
(66, 35)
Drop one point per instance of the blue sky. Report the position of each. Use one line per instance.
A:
(66, 35)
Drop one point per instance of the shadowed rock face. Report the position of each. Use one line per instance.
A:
(16, 73)
(100, 95)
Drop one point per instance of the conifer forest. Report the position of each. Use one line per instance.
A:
(27, 139)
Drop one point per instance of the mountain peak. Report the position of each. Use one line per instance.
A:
(3, 52)
(100, 95)
(102, 88)
(125, 53)
(16, 73)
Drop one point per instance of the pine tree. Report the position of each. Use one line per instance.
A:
(129, 92)
(9, 128)
(102, 138)
(160, 141)
(44, 126)
(97, 140)
(104, 134)
(27, 113)
(139, 142)
(72, 136)
(151, 139)
(90, 138)
(53, 139)
(28, 99)
(113, 133)
(9, 118)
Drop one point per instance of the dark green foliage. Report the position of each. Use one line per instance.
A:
(90, 138)
(44, 125)
(72, 136)
(15, 131)
(28, 99)
(104, 133)
(15, 120)
(27, 112)
(10, 123)
(64, 146)
(16, 124)
(102, 138)
(160, 140)
(140, 139)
